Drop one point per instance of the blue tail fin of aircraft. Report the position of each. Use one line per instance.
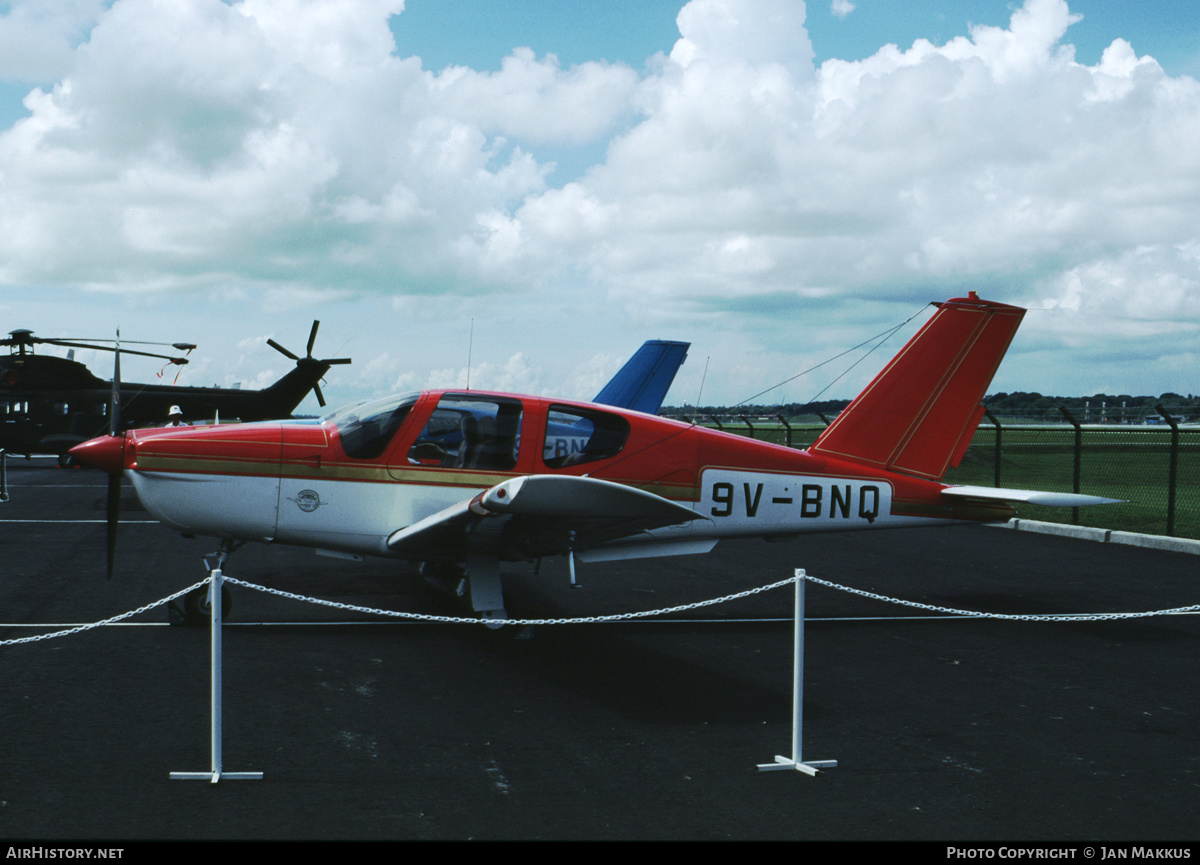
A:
(644, 380)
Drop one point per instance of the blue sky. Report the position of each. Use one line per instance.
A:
(480, 33)
(769, 185)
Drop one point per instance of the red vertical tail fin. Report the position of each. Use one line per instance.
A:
(919, 414)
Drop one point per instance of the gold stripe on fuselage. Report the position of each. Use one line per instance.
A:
(356, 473)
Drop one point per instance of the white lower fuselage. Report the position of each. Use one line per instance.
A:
(357, 516)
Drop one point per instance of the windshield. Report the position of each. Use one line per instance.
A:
(366, 428)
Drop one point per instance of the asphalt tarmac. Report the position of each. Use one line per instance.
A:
(945, 729)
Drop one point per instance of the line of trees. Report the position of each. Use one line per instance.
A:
(1099, 408)
(1019, 405)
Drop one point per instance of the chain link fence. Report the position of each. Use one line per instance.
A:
(1153, 468)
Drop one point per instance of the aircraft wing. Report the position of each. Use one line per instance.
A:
(540, 515)
(1032, 497)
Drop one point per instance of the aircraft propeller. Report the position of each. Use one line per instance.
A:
(308, 359)
(113, 507)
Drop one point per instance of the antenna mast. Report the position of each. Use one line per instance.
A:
(470, 346)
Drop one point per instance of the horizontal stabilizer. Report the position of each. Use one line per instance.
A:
(1032, 497)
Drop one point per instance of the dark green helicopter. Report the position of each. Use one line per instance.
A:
(49, 404)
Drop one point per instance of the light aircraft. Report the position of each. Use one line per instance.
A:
(380, 479)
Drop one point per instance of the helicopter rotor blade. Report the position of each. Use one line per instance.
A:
(77, 344)
(310, 362)
(25, 337)
(279, 348)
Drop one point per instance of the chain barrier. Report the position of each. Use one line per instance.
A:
(1016, 617)
(1066, 617)
(423, 617)
(87, 627)
(475, 621)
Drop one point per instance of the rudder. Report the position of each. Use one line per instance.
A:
(919, 414)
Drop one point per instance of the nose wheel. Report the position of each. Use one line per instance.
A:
(196, 609)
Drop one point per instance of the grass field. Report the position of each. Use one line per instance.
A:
(1130, 463)
(1127, 463)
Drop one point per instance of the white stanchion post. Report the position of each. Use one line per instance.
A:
(795, 762)
(215, 774)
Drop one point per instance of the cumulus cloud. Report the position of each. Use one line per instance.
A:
(37, 39)
(994, 161)
(736, 32)
(280, 151)
(281, 141)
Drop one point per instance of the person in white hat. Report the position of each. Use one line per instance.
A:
(175, 417)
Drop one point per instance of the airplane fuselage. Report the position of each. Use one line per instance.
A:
(298, 483)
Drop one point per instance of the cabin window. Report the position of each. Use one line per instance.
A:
(365, 430)
(468, 432)
(575, 435)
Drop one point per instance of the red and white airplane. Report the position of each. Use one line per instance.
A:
(463, 481)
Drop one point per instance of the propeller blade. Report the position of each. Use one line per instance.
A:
(113, 512)
(335, 360)
(114, 411)
(320, 396)
(279, 348)
(113, 509)
(312, 337)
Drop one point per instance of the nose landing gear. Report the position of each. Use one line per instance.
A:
(196, 609)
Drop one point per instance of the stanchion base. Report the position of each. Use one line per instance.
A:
(214, 777)
(808, 767)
